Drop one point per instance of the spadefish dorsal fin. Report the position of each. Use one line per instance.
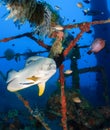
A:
(32, 59)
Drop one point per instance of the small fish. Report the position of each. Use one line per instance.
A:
(74, 57)
(76, 100)
(13, 44)
(74, 20)
(79, 5)
(67, 19)
(68, 72)
(87, 1)
(58, 28)
(92, 12)
(57, 7)
(97, 45)
(72, 32)
(37, 71)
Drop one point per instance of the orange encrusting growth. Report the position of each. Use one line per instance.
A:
(63, 100)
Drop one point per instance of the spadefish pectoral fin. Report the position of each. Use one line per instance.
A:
(41, 88)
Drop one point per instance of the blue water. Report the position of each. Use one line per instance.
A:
(93, 85)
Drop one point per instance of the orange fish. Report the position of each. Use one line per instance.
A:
(97, 46)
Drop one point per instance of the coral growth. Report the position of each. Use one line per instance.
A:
(40, 15)
(80, 112)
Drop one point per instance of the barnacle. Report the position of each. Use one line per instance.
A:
(56, 48)
(44, 27)
(20, 10)
(40, 15)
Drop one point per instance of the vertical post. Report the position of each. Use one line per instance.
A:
(63, 99)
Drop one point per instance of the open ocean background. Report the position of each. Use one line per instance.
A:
(93, 86)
